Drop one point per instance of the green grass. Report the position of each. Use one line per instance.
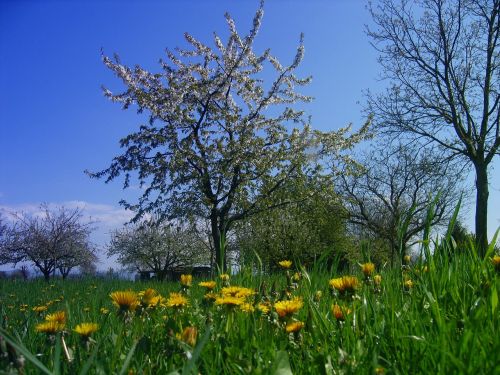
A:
(448, 322)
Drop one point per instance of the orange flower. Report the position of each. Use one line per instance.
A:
(189, 335)
(340, 312)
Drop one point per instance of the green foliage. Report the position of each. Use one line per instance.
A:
(312, 227)
(220, 141)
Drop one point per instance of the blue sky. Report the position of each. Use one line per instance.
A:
(55, 122)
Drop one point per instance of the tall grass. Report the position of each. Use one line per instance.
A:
(447, 321)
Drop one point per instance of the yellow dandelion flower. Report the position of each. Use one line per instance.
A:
(104, 311)
(149, 297)
(294, 327)
(189, 335)
(210, 296)
(368, 269)
(229, 301)
(224, 277)
(495, 260)
(336, 283)
(408, 284)
(125, 300)
(177, 301)
(86, 329)
(286, 264)
(297, 276)
(289, 307)
(247, 307)
(377, 279)
(49, 327)
(58, 316)
(186, 280)
(345, 284)
(237, 291)
(264, 307)
(210, 285)
(406, 259)
(317, 295)
(340, 312)
(40, 309)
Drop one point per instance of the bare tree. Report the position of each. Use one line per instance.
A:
(396, 186)
(51, 240)
(442, 59)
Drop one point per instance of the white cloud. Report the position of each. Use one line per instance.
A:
(105, 215)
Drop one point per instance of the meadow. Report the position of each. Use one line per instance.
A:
(439, 314)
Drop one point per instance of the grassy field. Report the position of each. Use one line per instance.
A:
(438, 316)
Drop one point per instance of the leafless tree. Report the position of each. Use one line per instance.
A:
(442, 58)
(396, 186)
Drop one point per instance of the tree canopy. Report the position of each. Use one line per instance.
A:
(148, 247)
(53, 240)
(220, 141)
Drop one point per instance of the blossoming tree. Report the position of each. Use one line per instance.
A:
(219, 142)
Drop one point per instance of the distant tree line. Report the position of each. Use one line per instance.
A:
(51, 241)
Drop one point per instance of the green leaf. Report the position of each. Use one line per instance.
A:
(27, 354)
(89, 362)
(494, 299)
(128, 358)
(282, 364)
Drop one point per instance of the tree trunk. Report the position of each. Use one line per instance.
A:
(482, 194)
(46, 275)
(218, 234)
(161, 274)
